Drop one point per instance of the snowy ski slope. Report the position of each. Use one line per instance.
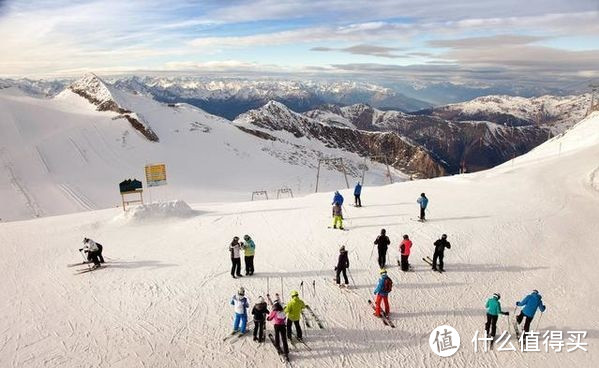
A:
(163, 299)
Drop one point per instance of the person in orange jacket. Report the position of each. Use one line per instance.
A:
(404, 249)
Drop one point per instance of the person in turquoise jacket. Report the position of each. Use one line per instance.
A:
(423, 202)
(493, 311)
(249, 250)
(382, 290)
(529, 305)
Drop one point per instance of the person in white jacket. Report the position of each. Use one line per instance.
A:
(240, 304)
(235, 249)
(94, 251)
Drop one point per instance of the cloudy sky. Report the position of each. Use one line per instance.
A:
(474, 41)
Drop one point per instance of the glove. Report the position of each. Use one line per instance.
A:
(80, 249)
(335, 268)
(506, 313)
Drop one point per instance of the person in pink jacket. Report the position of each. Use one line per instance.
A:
(404, 249)
(278, 318)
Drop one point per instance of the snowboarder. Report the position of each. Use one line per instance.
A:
(382, 242)
(529, 307)
(357, 193)
(277, 316)
(235, 249)
(293, 310)
(338, 198)
(241, 304)
(249, 249)
(94, 252)
(423, 202)
(260, 311)
(337, 216)
(440, 245)
(493, 307)
(342, 266)
(382, 290)
(404, 249)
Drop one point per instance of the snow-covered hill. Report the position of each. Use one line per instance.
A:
(69, 153)
(163, 299)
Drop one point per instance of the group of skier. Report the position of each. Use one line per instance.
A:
(249, 250)
(283, 317)
(530, 304)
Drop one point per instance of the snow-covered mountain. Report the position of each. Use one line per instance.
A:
(558, 112)
(456, 144)
(230, 97)
(163, 299)
(69, 153)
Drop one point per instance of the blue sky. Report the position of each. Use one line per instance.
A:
(460, 41)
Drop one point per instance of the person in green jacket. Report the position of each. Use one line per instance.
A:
(293, 310)
(493, 310)
(249, 249)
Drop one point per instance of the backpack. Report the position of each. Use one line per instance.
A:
(387, 285)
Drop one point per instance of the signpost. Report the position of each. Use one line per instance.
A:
(155, 175)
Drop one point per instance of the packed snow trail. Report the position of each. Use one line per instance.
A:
(163, 299)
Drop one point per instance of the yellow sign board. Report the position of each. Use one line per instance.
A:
(155, 175)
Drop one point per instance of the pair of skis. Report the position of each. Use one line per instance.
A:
(384, 317)
(313, 317)
(284, 357)
(430, 262)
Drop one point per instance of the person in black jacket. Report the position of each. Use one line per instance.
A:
(342, 265)
(259, 312)
(440, 245)
(382, 242)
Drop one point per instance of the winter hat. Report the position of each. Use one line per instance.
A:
(383, 231)
(246, 237)
(383, 271)
(444, 236)
(535, 291)
(422, 195)
(342, 249)
(294, 293)
(406, 236)
(497, 296)
(241, 291)
(277, 306)
(260, 299)
(235, 238)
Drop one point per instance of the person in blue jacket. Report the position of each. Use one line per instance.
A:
(338, 198)
(357, 193)
(529, 305)
(382, 290)
(423, 202)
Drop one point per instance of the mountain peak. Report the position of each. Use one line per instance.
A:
(95, 90)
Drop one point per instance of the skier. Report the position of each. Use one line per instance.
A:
(529, 307)
(382, 242)
(249, 249)
(357, 193)
(440, 245)
(338, 198)
(260, 311)
(293, 310)
(493, 307)
(277, 316)
(404, 248)
(94, 252)
(342, 266)
(423, 202)
(337, 216)
(382, 290)
(241, 304)
(235, 249)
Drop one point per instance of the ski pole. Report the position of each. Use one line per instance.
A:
(85, 261)
(267, 285)
(282, 294)
(539, 321)
(352, 278)
(302, 287)
(314, 287)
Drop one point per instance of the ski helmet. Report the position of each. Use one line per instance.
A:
(294, 293)
(497, 295)
(406, 236)
(241, 291)
(235, 238)
(260, 299)
(422, 195)
(342, 248)
(535, 291)
(444, 236)
(383, 231)
(383, 271)
(246, 237)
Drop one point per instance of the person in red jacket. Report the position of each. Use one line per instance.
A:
(404, 249)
